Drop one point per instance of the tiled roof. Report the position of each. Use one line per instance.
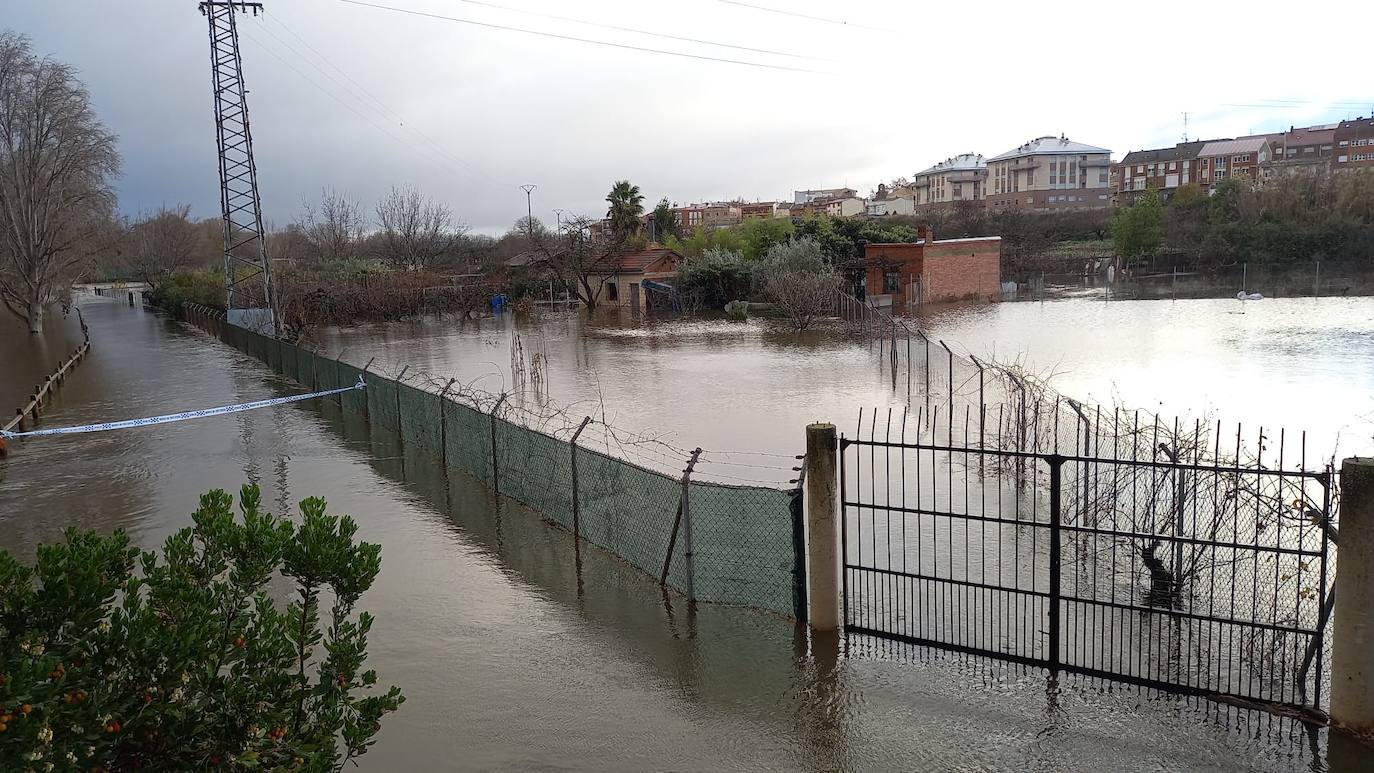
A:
(1049, 145)
(1179, 152)
(1228, 147)
(961, 161)
(640, 260)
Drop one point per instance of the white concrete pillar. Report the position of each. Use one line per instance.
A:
(823, 559)
(1352, 622)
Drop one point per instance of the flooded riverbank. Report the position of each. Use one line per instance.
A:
(518, 651)
(1304, 364)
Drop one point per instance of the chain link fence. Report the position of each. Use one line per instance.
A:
(636, 496)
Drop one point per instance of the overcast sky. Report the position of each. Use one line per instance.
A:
(362, 98)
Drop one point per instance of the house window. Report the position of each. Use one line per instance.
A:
(1344, 143)
(892, 281)
(1173, 166)
(612, 292)
(1241, 159)
(1219, 175)
(958, 190)
(1341, 159)
(1102, 178)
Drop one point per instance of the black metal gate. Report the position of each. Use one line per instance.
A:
(1181, 569)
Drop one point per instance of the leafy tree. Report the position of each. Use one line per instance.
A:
(626, 208)
(113, 659)
(665, 222)
(1137, 230)
(57, 164)
(758, 235)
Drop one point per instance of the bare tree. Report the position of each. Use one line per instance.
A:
(583, 257)
(159, 245)
(415, 231)
(56, 163)
(332, 229)
(797, 277)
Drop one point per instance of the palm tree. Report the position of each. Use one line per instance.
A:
(627, 206)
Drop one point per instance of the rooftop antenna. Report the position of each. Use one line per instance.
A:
(247, 271)
(1185, 126)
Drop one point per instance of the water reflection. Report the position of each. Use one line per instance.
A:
(520, 650)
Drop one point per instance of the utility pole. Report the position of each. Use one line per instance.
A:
(529, 211)
(558, 214)
(247, 271)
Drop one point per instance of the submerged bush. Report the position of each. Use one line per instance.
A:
(189, 663)
(205, 286)
(715, 279)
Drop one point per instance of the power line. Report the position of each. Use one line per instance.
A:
(647, 32)
(840, 22)
(370, 121)
(375, 100)
(574, 38)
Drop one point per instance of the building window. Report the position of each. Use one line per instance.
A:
(1341, 159)
(1173, 166)
(1241, 159)
(1102, 178)
(1344, 143)
(1219, 175)
(612, 292)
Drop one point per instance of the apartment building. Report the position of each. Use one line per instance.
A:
(721, 214)
(758, 210)
(1250, 158)
(960, 178)
(1161, 169)
(1049, 173)
(1354, 142)
(689, 218)
(1304, 149)
(813, 196)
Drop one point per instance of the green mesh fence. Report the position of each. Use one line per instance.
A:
(289, 367)
(467, 436)
(352, 402)
(743, 538)
(536, 470)
(630, 511)
(421, 424)
(743, 546)
(382, 409)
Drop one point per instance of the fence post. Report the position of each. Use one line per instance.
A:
(397, 389)
(823, 527)
(495, 468)
(1352, 623)
(687, 551)
(367, 404)
(443, 423)
(1056, 516)
(572, 468)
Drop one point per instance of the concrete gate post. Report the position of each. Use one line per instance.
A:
(823, 528)
(1352, 623)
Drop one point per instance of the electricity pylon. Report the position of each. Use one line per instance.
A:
(247, 273)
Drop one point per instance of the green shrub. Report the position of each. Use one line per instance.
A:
(189, 663)
(205, 287)
(715, 279)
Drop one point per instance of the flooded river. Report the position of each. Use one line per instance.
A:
(516, 651)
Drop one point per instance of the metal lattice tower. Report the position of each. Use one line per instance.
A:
(247, 273)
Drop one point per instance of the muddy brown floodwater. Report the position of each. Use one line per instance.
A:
(518, 652)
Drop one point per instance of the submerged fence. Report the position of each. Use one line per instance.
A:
(1162, 558)
(710, 541)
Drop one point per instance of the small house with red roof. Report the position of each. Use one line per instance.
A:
(625, 288)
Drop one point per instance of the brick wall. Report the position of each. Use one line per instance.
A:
(963, 269)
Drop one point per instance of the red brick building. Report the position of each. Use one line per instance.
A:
(1354, 144)
(1250, 157)
(930, 271)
